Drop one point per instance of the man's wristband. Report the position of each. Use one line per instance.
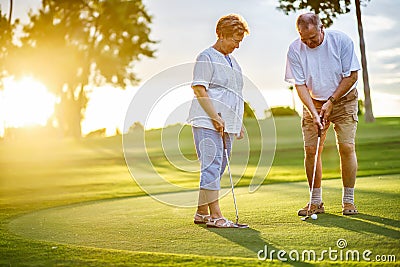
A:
(332, 99)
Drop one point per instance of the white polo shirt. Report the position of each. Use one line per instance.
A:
(224, 85)
(322, 68)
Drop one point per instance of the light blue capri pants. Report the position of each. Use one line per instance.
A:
(210, 152)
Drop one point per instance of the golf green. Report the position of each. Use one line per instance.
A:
(146, 225)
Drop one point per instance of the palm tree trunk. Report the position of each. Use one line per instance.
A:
(293, 101)
(10, 12)
(369, 116)
(291, 88)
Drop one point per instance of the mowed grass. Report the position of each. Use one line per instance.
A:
(111, 222)
(142, 224)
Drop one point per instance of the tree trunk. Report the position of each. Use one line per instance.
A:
(76, 128)
(10, 12)
(79, 107)
(369, 116)
(69, 113)
(293, 99)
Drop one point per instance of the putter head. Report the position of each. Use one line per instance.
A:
(241, 225)
(307, 215)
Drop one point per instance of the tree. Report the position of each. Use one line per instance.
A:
(369, 116)
(6, 35)
(6, 43)
(72, 46)
(328, 10)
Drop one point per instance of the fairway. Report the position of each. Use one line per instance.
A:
(143, 224)
(75, 203)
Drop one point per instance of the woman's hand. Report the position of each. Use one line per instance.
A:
(219, 124)
(241, 134)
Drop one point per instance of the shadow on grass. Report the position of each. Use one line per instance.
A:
(251, 239)
(370, 193)
(361, 223)
(377, 219)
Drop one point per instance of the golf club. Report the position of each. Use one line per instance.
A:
(314, 172)
(231, 180)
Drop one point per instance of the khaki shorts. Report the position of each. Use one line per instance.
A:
(344, 118)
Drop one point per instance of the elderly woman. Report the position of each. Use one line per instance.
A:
(216, 113)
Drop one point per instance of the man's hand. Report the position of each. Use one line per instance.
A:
(343, 88)
(326, 111)
(319, 123)
(305, 97)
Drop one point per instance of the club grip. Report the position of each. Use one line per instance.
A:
(319, 129)
(223, 140)
(223, 133)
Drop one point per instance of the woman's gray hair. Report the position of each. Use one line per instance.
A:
(304, 20)
(232, 24)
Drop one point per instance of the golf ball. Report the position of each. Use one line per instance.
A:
(314, 216)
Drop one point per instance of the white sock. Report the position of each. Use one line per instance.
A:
(348, 195)
(316, 197)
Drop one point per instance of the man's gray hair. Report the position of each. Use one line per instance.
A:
(306, 19)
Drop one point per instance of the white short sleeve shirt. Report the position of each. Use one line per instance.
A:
(224, 85)
(322, 68)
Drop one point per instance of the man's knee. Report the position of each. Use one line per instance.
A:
(346, 149)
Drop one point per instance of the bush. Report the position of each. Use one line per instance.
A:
(282, 111)
(248, 111)
(361, 108)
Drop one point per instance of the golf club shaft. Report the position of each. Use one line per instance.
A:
(230, 174)
(230, 177)
(315, 168)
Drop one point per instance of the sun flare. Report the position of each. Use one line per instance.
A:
(25, 102)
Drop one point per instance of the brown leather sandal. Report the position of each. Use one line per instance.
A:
(314, 208)
(349, 209)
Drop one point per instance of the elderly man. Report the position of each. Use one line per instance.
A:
(323, 67)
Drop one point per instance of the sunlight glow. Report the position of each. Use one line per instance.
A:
(25, 102)
(171, 108)
(106, 109)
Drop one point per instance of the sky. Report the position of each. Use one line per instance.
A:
(184, 28)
